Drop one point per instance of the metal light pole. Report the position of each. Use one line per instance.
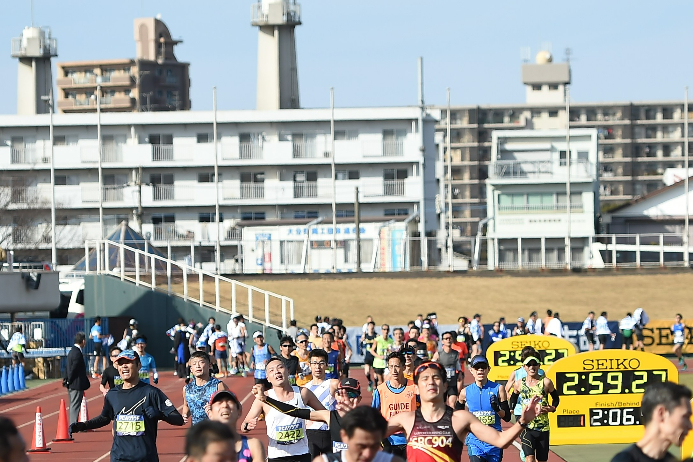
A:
(450, 255)
(334, 185)
(98, 136)
(686, 258)
(54, 252)
(568, 252)
(216, 183)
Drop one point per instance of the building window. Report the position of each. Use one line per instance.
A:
(159, 94)
(536, 114)
(290, 252)
(204, 138)
(553, 87)
(252, 177)
(553, 113)
(160, 139)
(59, 140)
(209, 217)
(60, 180)
(206, 177)
(396, 212)
(347, 175)
(253, 216)
(303, 214)
(395, 174)
(345, 213)
(536, 87)
(346, 135)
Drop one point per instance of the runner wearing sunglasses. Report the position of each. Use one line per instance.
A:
(410, 361)
(535, 436)
(301, 352)
(110, 375)
(348, 396)
(450, 359)
(393, 397)
(318, 433)
(435, 432)
(488, 401)
(286, 347)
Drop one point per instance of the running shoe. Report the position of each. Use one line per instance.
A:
(370, 388)
(681, 362)
(244, 374)
(234, 371)
(175, 373)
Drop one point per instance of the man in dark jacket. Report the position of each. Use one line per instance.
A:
(76, 376)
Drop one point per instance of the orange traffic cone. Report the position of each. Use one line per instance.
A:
(38, 443)
(63, 434)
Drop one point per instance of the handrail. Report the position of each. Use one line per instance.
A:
(145, 272)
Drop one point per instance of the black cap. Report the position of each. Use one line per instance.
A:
(478, 359)
(350, 384)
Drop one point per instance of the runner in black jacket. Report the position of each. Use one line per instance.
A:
(136, 408)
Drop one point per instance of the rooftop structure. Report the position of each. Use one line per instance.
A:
(34, 50)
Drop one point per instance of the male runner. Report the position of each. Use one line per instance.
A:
(348, 396)
(208, 331)
(603, 330)
(477, 331)
(17, 346)
(397, 339)
(287, 436)
(96, 335)
(110, 375)
(535, 436)
(641, 319)
(324, 389)
(286, 347)
(589, 327)
(380, 350)
(237, 335)
(136, 408)
(435, 421)
(334, 357)
(301, 352)
(197, 392)
(224, 407)
(341, 338)
(488, 401)
(219, 340)
(426, 339)
(258, 357)
(450, 359)
(410, 360)
(210, 442)
(148, 371)
(679, 330)
(393, 397)
(666, 414)
(519, 374)
(367, 340)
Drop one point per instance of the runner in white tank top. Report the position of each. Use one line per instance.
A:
(287, 435)
(319, 438)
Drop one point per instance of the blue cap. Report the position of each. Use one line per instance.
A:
(127, 354)
(140, 340)
(478, 359)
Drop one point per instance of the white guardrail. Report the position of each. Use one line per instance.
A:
(159, 273)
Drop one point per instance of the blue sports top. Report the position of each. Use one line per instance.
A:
(260, 356)
(479, 404)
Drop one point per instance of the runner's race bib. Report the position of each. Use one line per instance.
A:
(339, 446)
(260, 366)
(485, 417)
(450, 371)
(289, 434)
(292, 379)
(129, 425)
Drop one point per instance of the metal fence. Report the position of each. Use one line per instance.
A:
(51, 333)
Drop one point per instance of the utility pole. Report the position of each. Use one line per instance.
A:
(139, 199)
(49, 101)
(334, 185)
(568, 256)
(98, 135)
(449, 214)
(217, 258)
(686, 256)
(357, 222)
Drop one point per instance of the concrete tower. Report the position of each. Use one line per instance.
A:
(34, 48)
(545, 80)
(277, 73)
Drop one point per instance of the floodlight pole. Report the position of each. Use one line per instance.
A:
(686, 224)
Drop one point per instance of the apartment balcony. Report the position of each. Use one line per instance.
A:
(28, 155)
(169, 232)
(234, 234)
(31, 235)
(305, 189)
(244, 150)
(110, 194)
(541, 170)
(307, 150)
(252, 190)
(162, 152)
(163, 192)
(21, 195)
(109, 153)
(394, 188)
(108, 103)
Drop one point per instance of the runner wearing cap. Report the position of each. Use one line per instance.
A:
(136, 408)
(148, 371)
(287, 436)
(129, 334)
(519, 374)
(520, 328)
(393, 397)
(535, 436)
(361, 431)
(198, 391)
(224, 407)
(435, 432)
(324, 389)
(348, 397)
(258, 357)
(488, 401)
(210, 441)
(450, 359)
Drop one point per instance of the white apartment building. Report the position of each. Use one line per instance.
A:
(158, 170)
(528, 218)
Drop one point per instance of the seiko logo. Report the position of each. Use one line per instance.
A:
(536, 344)
(610, 364)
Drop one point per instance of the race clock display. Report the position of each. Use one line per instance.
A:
(601, 392)
(505, 356)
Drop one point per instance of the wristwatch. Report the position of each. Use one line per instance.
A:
(523, 425)
(245, 426)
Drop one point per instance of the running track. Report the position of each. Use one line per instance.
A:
(95, 446)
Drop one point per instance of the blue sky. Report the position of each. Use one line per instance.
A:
(368, 49)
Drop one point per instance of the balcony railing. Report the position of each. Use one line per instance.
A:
(111, 153)
(25, 155)
(394, 187)
(304, 149)
(167, 232)
(250, 150)
(162, 152)
(31, 235)
(539, 169)
(393, 148)
(305, 189)
(163, 192)
(234, 234)
(113, 193)
(22, 195)
(252, 190)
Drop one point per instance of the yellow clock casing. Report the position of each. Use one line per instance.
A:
(504, 356)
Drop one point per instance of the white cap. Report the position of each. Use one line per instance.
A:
(133, 321)
(257, 334)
